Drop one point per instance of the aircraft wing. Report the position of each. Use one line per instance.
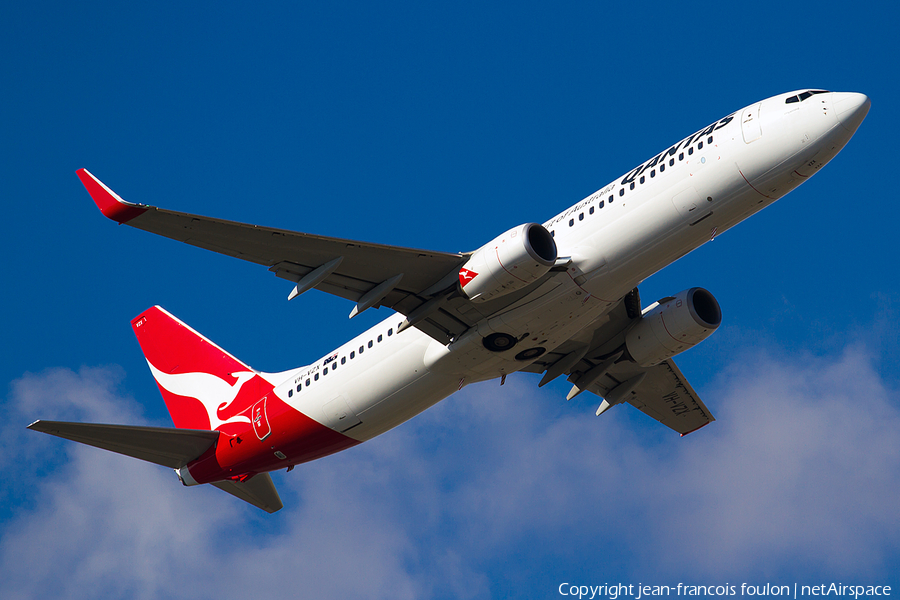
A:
(660, 391)
(371, 275)
(664, 394)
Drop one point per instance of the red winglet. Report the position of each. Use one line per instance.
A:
(109, 202)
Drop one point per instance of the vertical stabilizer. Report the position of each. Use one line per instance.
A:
(204, 386)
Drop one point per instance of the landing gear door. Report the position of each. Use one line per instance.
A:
(260, 420)
(750, 126)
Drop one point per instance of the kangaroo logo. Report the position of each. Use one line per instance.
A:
(465, 276)
(214, 393)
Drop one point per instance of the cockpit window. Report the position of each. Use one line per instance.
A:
(804, 96)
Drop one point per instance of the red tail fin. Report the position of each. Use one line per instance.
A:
(204, 386)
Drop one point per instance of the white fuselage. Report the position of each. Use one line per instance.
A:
(616, 237)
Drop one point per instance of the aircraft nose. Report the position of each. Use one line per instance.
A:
(851, 108)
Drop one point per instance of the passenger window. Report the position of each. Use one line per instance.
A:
(571, 222)
(290, 393)
(681, 156)
(370, 344)
(316, 377)
(621, 193)
(631, 187)
(691, 150)
(307, 383)
(361, 348)
(662, 168)
(643, 179)
(390, 332)
(610, 199)
(581, 216)
(671, 162)
(652, 174)
(553, 233)
(299, 386)
(380, 337)
(343, 360)
(325, 371)
(591, 211)
(352, 354)
(601, 202)
(709, 140)
(700, 146)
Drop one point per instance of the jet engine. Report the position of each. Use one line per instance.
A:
(513, 260)
(673, 325)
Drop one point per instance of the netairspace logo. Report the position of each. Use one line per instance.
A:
(639, 591)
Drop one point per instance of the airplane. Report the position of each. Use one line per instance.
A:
(558, 299)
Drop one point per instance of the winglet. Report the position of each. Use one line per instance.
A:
(696, 428)
(110, 203)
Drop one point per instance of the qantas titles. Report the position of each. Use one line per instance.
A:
(631, 176)
(671, 152)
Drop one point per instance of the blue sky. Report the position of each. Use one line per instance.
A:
(439, 127)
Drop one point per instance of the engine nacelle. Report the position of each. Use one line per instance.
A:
(673, 325)
(513, 260)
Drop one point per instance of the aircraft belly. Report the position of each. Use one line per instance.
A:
(405, 403)
(650, 234)
(545, 324)
(381, 394)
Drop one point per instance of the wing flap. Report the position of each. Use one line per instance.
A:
(172, 448)
(259, 491)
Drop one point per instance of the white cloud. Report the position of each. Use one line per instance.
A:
(486, 493)
(804, 467)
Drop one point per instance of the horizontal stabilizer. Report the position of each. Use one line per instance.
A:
(172, 448)
(258, 491)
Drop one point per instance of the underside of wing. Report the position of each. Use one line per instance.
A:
(595, 360)
(663, 393)
(423, 285)
(371, 275)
